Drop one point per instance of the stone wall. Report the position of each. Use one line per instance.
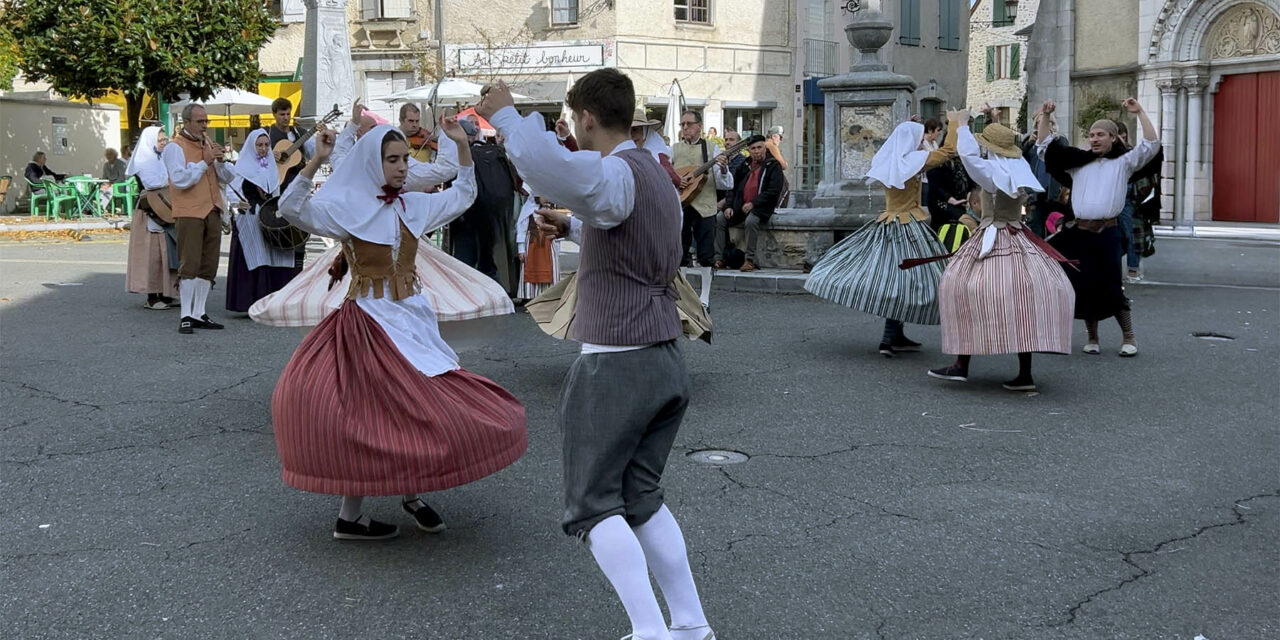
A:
(1007, 92)
(1105, 34)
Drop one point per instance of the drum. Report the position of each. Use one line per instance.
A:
(276, 231)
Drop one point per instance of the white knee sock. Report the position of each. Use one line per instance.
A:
(664, 549)
(202, 296)
(350, 509)
(187, 295)
(706, 285)
(620, 557)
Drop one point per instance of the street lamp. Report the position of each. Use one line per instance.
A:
(1011, 9)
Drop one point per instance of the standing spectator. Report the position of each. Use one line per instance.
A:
(1041, 203)
(932, 130)
(758, 189)
(36, 171)
(484, 237)
(1142, 199)
(948, 193)
(773, 142)
(692, 150)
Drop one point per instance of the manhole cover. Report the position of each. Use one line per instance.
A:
(1209, 335)
(718, 456)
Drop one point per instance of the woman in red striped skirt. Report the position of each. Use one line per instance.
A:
(1004, 291)
(373, 402)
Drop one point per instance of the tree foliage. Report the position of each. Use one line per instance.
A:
(85, 48)
(8, 58)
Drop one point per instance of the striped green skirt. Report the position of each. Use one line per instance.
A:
(862, 272)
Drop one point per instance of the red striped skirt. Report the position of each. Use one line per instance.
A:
(1015, 300)
(353, 417)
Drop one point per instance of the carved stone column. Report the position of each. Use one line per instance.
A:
(328, 76)
(1195, 142)
(1169, 141)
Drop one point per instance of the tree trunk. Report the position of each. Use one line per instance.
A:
(133, 111)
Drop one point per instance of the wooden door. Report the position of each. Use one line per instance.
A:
(1246, 166)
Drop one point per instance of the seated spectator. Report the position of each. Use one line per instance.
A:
(758, 185)
(774, 144)
(37, 171)
(113, 168)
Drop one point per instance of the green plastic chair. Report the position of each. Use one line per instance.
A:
(60, 194)
(124, 192)
(38, 198)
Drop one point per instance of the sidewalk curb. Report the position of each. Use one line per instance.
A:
(64, 226)
(763, 281)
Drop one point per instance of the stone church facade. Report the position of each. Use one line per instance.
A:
(1208, 71)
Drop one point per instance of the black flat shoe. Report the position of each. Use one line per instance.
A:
(426, 517)
(1020, 384)
(903, 343)
(205, 322)
(364, 528)
(187, 324)
(886, 350)
(952, 373)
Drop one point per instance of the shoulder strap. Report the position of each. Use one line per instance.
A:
(703, 142)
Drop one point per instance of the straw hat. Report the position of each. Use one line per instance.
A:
(638, 120)
(1000, 140)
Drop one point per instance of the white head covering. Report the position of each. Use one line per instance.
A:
(654, 144)
(259, 171)
(900, 158)
(351, 195)
(145, 161)
(995, 172)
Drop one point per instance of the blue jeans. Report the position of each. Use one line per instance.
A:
(1127, 245)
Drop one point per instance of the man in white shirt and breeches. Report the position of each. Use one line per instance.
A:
(1098, 177)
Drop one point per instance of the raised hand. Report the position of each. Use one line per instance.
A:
(562, 129)
(451, 128)
(325, 139)
(1048, 107)
(1131, 105)
(356, 110)
(493, 98)
(552, 223)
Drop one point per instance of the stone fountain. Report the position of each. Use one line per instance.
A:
(861, 109)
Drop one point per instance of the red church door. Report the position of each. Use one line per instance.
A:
(1246, 136)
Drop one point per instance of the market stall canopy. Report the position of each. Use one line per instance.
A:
(451, 90)
(231, 102)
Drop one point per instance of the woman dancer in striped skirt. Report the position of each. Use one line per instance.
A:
(1004, 290)
(862, 270)
(373, 401)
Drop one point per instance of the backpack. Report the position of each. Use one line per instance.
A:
(953, 234)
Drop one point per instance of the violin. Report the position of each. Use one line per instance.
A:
(421, 140)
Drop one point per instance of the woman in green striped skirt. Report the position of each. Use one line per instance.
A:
(862, 271)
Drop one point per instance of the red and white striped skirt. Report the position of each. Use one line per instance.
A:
(1017, 299)
(353, 417)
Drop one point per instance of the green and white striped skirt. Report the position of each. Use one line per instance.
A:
(862, 272)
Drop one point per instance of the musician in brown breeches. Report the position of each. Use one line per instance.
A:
(196, 176)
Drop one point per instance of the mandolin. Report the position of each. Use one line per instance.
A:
(697, 175)
(289, 154)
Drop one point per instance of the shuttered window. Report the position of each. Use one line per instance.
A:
(564, 12)
(999, 14)
(1003, 62)
(909, 22)
(380, 9)
(949, 24)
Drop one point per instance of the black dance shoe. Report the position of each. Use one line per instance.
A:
(364, 528)
(186, 324)
(903, 343)
(952, 373)
(205, 322)
(1020, 384)
(426, 517)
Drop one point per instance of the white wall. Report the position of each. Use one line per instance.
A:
(26, 126)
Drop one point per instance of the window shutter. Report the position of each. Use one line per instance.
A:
(370, 9)
(1015, 65)
(998, 14)
(991, 64)
(397, 8)
(909, 22)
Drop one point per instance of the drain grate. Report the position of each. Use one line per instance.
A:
(1209, 335)
(718, 456)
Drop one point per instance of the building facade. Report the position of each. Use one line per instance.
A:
(997, 52)
(1208, 71)
(930, 43)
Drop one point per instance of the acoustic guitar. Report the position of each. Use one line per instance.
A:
(155, 203)
(289, 154)
(697, 175)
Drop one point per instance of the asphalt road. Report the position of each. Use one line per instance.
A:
(140, 493)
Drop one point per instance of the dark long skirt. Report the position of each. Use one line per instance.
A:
(245, 287)
(1098, 285)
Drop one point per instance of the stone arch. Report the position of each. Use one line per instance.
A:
(1182, 37)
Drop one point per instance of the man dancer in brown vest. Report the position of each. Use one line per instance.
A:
(196, 176)
(625, 395)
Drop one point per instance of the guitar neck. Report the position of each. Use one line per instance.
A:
(706, 166)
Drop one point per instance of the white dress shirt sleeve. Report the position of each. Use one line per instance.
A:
(182, 174)
(724, 177)
(1142, 153)
(443, 207)
(295, 206)
(224, 173)
(522, 222)
(979, 168)
(342, 145)
(599, 190)
(424, 175)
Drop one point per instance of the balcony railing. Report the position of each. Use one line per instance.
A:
(819, 57)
